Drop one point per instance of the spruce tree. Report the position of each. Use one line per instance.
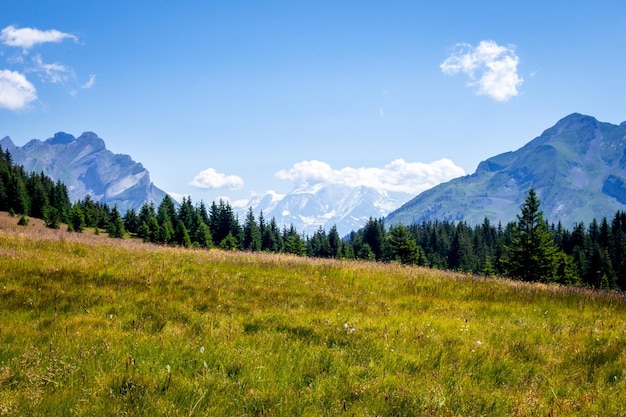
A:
(115, 225)
(334, 240)
(203, 236)
(182, 234)
(77, 219)
(52, 217)
(251, 233)
(131, 221)
(531, 256)
(402, 245)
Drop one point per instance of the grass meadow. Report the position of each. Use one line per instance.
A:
(97, 326)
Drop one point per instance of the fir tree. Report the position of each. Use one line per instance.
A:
(335, 243)
(77, 219)
(52, 217)
(402, 245)
(532, 253)
(229, 242)
(203, 236)
(182, 234)
(131, 221)
(251, 233)
(115, 225)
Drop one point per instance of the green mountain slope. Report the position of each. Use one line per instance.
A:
(577, 167)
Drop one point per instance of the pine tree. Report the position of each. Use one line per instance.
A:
(166, 210)
(374, 236)
(271, 240)
(18, 200)
(203, 214)
(532, 253)
(77, 219)
(222, 221)
(334, 240)
(182, 234)
(149, 225)
(186, 213)
(203, 236)
(402, 245)
(115, 226)
(52, 217)
(293, 242)
(131, 221)
(251, 233)
(229, 242)
(165, 233)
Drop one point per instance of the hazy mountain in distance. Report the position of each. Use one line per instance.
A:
(308, 207)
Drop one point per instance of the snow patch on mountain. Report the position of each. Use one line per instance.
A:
(311, 206)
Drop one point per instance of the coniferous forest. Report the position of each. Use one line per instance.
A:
(528, 249)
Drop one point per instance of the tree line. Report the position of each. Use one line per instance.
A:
(528, 249)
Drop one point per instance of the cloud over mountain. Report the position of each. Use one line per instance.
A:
(211, 179)
(397, 176)
(490, 67)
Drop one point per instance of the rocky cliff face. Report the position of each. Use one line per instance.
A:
(86, 167)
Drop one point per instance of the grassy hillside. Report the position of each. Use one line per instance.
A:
(97, 326)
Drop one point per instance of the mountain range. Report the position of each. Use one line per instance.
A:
(311, 206)
(577, 168)
(86, 167)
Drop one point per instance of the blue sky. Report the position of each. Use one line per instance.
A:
(234, 98)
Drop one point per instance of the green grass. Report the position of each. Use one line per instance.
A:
(107, 327)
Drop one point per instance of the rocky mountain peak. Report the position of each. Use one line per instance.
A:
(60, 138)
(87, 167)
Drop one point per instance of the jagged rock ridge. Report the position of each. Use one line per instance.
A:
(86, 167)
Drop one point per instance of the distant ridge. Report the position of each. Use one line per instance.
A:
(86, 167)
(577, 167)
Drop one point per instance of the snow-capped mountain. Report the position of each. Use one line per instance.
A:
(86, 167)
(308, 207)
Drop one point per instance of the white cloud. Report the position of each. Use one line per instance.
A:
(54, 73)
(490, 67)
(90, 82)
(397, 176)
(26, 38)
(238, 203)
(16, 92)
(177, 196)
(211, 179)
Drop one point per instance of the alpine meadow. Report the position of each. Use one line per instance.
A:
(312, 208)
(99, 326)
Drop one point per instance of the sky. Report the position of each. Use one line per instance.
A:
(232, 99)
